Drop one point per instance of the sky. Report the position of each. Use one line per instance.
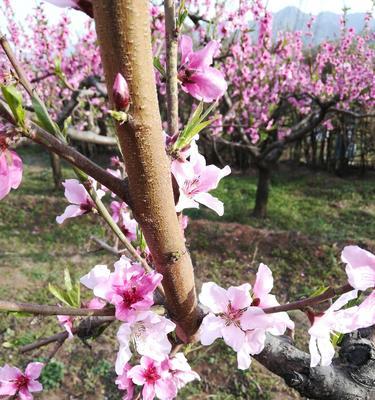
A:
(23, 7)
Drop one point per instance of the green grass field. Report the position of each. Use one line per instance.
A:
(311, 217)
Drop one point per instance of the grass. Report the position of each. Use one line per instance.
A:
(311, 217)
(315, 204)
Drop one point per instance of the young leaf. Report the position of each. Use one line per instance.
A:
(60, 294)
(14, 100)
(158, 66)
(44, 119)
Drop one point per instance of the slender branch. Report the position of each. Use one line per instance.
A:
(171, 39)
(352, 113)
(78, 160)
(87, 328)
(91, 137)
(17, 67)
(38, 309)
(301, 304)
(106, 246)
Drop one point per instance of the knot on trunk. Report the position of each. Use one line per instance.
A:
(358, 353)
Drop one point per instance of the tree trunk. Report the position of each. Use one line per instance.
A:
(261, 200)
(123, 28)
(56, 170)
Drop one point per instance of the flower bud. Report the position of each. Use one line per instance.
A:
(121, 95)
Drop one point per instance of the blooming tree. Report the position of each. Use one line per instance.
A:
(150, 292)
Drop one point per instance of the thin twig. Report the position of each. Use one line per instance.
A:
(311, 301)
(38, 309)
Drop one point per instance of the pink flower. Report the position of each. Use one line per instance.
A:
(98, 275)
(225, 311)
(181, 371)
(333, 320)
(122, 217)
(125, 383)
(365, 313)
(197, 77)
(360, 267)
(121, 96)
(66, 321)
(196, 180)
(239, 318)
(76, 194)
(82, 5)
(149, 335)
(155, 379)
(11, 168)
(14, 382)
(130, 289)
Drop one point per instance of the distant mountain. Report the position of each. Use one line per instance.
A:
(326, 25)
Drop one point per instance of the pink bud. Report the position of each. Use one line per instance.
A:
(121, 95)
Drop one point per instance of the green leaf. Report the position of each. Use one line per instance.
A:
(181, 18)
(194, 126)
(336, 338)
(141, 239)
(68, 280)
(14, 100)
(319, 291)
(44, 119)
(158, 66)
(67, 124)
(60, 294)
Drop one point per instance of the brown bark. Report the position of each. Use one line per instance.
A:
(263, 187)
(123, 29)
(56, 170)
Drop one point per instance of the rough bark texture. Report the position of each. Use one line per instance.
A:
(123, 29)
(263, 186)
(350, 377)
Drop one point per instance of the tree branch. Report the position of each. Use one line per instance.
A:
(38, 309)
(301, 304)
(86, 329)
(123, 28)
(350, 377)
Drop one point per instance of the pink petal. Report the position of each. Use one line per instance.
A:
(71, 211)
(34, 386)
(185, 202)
(165, 389)
(214, 297)
(239, 296)
(24, 394)
(8, 373)
(210, 329)
(99, 274)
(136, 375)
(34, 369)
(255, 341)
(211, 202)
(264, 282)
(314, 353)
(243, 359)
(15, 169)
(233, 336)
(5, 181)
(186, 47)
(203, 58)
(357, 257)
(327, 351)
(63, 3)
(207, 85)
(8, 388)
(148, 392)
(75, 192)
(255, 318)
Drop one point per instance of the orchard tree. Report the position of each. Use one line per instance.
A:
(150, 293)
